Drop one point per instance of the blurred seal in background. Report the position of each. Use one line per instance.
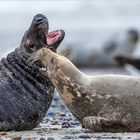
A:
(119, 44)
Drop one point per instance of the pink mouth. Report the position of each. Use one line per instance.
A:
(54, 37)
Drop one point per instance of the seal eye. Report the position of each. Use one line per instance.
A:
(31, 45)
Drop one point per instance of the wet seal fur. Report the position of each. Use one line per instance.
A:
(108, 103)
(25, 90)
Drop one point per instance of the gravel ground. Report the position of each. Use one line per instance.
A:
(59, 123)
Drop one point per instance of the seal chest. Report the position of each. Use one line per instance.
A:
(101, 103)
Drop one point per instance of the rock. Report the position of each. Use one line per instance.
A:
(85, 136)
(65, 125)
(50, 138)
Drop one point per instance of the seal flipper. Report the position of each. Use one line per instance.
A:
(95, 123)
(104, 124)
(111, 118)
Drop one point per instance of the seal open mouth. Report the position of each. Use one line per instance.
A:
(54, 38)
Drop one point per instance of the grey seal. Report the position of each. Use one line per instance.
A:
(108, 103)
(25, 91)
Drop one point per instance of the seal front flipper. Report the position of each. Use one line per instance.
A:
(109, 119)
(95, 123)
(103, 124)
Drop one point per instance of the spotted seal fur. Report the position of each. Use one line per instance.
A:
(109, 103)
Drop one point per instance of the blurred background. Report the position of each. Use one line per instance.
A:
(89, 25)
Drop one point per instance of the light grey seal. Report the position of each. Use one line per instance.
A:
(109, 103)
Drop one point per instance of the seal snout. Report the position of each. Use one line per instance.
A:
(38, 56)
(41, 22)
(53, 38)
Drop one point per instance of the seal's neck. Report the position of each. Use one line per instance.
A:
(69, 81)
(30, 75)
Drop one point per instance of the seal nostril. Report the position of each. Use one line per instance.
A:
(40, 20)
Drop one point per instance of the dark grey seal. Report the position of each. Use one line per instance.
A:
(25, 91)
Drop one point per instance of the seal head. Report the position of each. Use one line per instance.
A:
(37, 36)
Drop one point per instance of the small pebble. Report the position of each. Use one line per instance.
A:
(50, 138)
(39, 131)
(98, 138)
(56, 122)
(67, 137)
(50, 114)
(16, 138)
(3, 133)
(84, 136)
(55, 128)
(74, 123)
(87, 131)
(113, 137)
(42, 138)
(65, 125)
(60, 114)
